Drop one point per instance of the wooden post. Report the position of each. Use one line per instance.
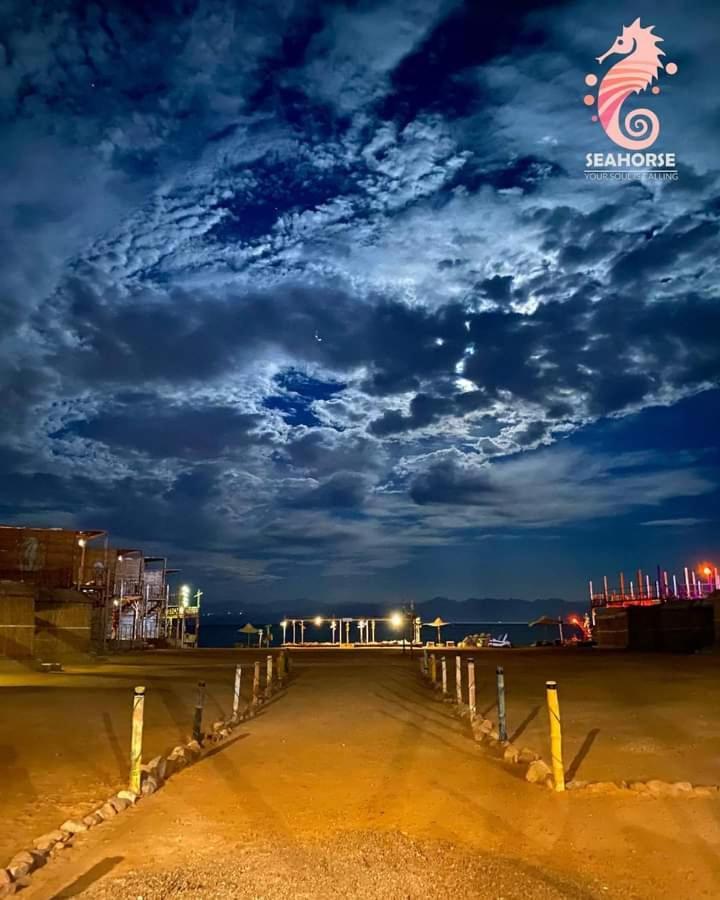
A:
(433, 668)
(425, 662)
(138, 714)
(236, 692)
(458, 678)
(256, 683)
(502, 723)
(553, 705)
(471, 687)
(199, 704)
(443, 664)
(269, 676)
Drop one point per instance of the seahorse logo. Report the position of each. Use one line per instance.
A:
(634, 73)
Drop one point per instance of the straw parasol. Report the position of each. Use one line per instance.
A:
(549, 620)
(248, 630)
(438, 623)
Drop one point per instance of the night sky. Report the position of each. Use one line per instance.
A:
(315, 299)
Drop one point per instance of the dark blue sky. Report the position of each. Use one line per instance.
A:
(315, 299)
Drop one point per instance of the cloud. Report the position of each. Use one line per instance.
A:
(553, 487)
(681, 522)
(322, 286)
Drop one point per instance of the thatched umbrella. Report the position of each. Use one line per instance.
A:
(248, 630)
(549, 620)
(438, 623)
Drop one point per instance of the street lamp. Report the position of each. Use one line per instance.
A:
(396, 620)
(82, 543)
(318, 621)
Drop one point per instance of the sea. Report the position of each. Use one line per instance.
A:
(219, 631)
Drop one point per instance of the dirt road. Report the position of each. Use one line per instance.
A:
(358, 783)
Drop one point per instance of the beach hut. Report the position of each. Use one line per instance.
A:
(438, 623)
(249, 630)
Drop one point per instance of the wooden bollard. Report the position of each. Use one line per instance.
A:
(236, 692)
(269, 676)
(471, 687)
(443, 666)
(198, 717)
(256, 683)
(502, 720)
(138, 714)
(281, 666)
(553, 706)
(433, 668)
(458, 678)
(425, 661)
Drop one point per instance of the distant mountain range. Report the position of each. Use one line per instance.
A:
(473, 610)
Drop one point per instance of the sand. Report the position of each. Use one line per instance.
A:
(358, 783)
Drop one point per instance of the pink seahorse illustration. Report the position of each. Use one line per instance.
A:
(632, 74)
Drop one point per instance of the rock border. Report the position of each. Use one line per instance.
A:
(16, 874)
(538, 772)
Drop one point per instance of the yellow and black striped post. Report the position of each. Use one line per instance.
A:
(551, 691)
(138, 714)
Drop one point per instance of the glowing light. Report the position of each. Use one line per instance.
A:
(707, 571)
(396, 620)
(318, 620)
(81, 542)
(284, 623)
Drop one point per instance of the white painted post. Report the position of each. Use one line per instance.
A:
(269, 676)
(236, 692)
(458, 678)
(256, 683)
(443, 665)
(471, 687)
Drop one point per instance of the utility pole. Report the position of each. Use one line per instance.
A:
(198, 595)
(409, 613)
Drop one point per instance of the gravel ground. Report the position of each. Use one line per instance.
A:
(372, 866)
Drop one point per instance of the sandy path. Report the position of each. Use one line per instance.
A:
(65, 738)
(358, 783)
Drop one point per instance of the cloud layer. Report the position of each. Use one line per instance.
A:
(306, 287)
